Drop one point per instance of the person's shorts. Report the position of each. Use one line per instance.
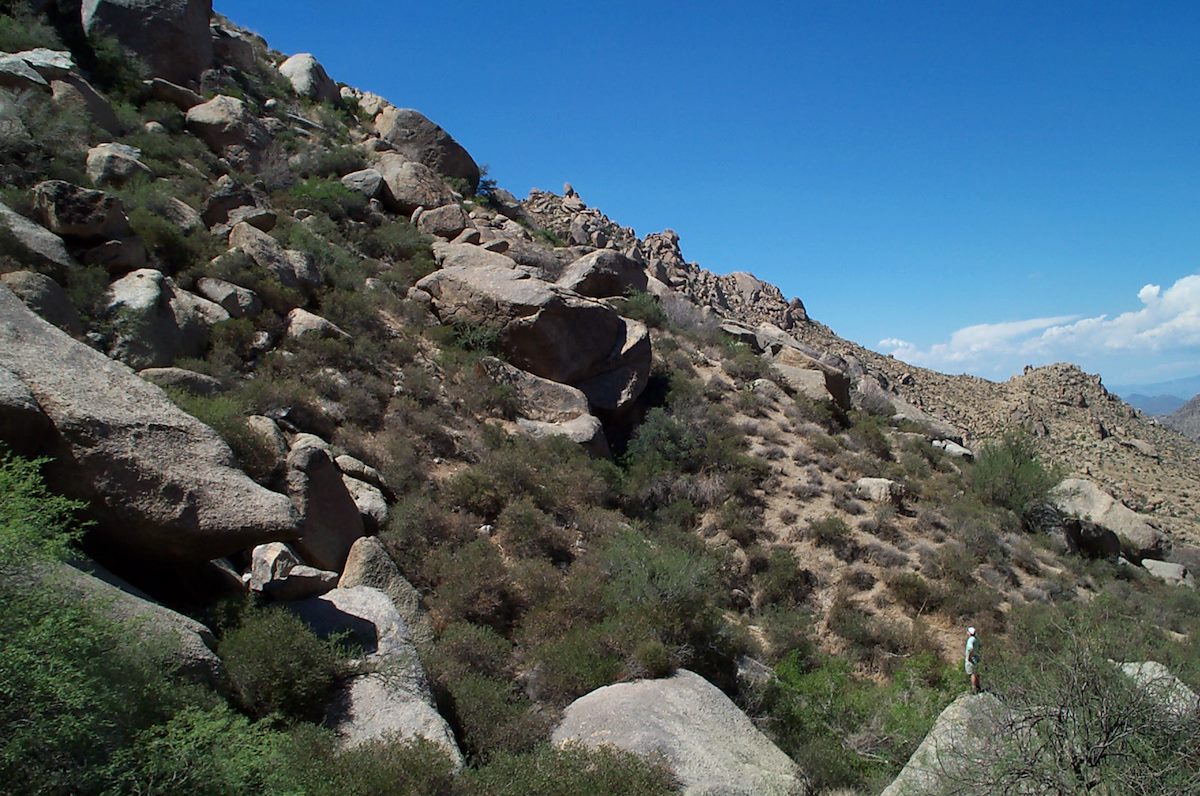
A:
(970, 667)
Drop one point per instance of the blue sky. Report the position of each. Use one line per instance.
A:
(973, 186)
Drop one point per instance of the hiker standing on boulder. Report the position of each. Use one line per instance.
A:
(971, 659)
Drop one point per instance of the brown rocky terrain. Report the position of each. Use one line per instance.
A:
(1186, 419)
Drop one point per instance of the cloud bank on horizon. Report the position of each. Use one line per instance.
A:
(1166, 325)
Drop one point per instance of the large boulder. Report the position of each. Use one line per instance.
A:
(417, 138)
(604, 273)
(447, 221)
(309, 79)
(1170, 573)
(411, 184)
(22, 422)
(811, 377)
(278, 573)
(548, 330)
(960, 737)
(372, 505)
(183, 379)
(546, 408)
(1080, 497)
(370, 565)
(880, 490)
(45, 297)
(160, 482)
(712, 747)
(33, 244)
(291, 268)
(392, 699)
(81, 213)
(449, 255)
(1090, 540)
(331, 520)
(187, 645)
(170, 36)
(224, 122)
(115, 164)
(1163, 687)
(75, 95)
(154, 321)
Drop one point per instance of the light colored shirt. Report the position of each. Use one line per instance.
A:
(972, 651)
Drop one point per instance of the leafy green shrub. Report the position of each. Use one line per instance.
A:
(473, 585)
(45, 141)
(914, 591)
(35, 524)
(832, 532)
(328, 196)
(22, 29)
(1010, 475)
(279, 666)
(492, 716)
(784, 582)
(335, 162)
(867, 434)
(527, 531)
(572, 770)
(741, 363)
(463, 648)
(208, 752)
(645, 307)
(226, 415)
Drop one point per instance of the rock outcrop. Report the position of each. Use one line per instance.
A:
(161, 483)
(392, 699)
(170, 36)
(418, 139)
(712, 746)
(547, 330)
(955, 744)
(1080, 497)
(309, 79)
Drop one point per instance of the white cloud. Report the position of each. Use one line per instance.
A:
(1167, 321)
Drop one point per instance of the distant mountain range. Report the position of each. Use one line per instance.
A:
(1186, 419)
(1160, 398)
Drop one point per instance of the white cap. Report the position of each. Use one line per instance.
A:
(970, 631)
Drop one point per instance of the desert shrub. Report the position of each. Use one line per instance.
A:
(784, 582)
(913, 591)
(173, 155)
(555, 474)
(571, 770)
(824, 414)
(226, 415)
(35, 524)
(172, 248)
(238, 268)
(492, 716)
(43, 141)
(642, 306)
(742, 364)
(464, 648)
(832, 532)
(327, 196)
(331, 163)
(420, 523)
(279, 666)
(527, 531)
(472, 584)
(1010, 475)
(202, 751)
(581, 660)
(22, 29)
(788, 631)
(317, 765)
(741, 522)
(867, 434)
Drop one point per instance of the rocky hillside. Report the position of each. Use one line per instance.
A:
(363, 463)
(1186, 419)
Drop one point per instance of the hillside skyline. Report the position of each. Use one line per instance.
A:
(1007, 186)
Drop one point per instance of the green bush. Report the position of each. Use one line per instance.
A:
(642, 306)
(208, 752)
(328, 196)
(35, 524)
(572, 770)
(331, 163)
(492, 716)
(279, 666)
(1010, 475)
(226, 415)
(914, 592)
(317, 765)
(473, 585)
(22, 29)
(528, 532)
(784, 582)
